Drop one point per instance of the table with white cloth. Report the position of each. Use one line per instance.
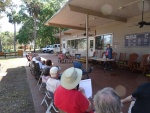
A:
(105, 60)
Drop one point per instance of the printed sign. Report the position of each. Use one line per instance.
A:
(142, 39)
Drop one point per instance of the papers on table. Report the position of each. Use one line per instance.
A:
(87, 85)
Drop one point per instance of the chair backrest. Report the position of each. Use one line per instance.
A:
(37, 67)
(144, 60)
(122, 57)
(77, 56)
(133, 57)
(114, 54)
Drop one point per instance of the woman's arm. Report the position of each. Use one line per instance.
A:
(127, 99)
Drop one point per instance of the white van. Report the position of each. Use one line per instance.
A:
(44, 50)
(54, 48)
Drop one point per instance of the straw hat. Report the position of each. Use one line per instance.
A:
(71, 78)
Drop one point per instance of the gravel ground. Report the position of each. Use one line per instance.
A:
(15, 95)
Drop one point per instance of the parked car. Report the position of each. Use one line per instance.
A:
(44, 50)
(54, 48)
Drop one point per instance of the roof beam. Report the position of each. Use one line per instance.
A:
(65, 26)
(95, 13)
(67, 33)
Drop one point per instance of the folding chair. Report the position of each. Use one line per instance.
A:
(42, 84)
(37, 71)
(49, 95)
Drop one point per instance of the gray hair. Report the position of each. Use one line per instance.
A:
(107, 101)
(38, 58)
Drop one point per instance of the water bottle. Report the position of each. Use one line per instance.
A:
(104, 56)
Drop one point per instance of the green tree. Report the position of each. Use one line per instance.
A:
(4, 4)
(7, 40)
(14, 18)
(44, 34)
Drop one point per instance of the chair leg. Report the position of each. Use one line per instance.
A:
(51, 106)
(44, 100)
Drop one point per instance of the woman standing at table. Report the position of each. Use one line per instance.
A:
(108, 52)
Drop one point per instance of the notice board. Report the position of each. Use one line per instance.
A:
(138, 39)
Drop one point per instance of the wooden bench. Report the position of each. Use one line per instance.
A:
(2, 54)
(11, 54)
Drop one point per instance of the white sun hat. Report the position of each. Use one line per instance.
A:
(54, 70)
(70, 78)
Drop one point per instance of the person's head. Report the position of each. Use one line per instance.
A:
(38, 58)
(54, 72)
(43, 62)
(46, 71)
(107, 101)
(70, 78)
(108, 45)
(48, 62)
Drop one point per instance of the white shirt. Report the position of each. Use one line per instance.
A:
(52, 84)
(34, 59)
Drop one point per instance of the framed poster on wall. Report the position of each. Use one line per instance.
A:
(138, 39)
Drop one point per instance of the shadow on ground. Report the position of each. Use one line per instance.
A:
(15, 95)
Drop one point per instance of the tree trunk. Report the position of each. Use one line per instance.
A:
(0, 45)
(14, 37)
(34, 34)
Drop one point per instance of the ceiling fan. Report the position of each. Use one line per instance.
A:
(142, 23)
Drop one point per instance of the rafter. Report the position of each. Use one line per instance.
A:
(65, 26)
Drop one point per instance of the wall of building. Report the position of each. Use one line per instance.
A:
(119, 31)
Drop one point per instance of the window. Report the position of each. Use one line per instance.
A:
(102, 40)
(55, 46)
(76, 44)
(68, 44)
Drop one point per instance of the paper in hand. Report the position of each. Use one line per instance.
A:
(87, 86)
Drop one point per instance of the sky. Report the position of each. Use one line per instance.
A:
(5, 25)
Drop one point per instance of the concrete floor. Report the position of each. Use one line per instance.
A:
(122, 80)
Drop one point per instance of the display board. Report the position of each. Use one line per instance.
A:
(141, 39)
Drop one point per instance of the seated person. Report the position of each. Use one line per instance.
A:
(79, 66)
(45, 74)
(61, 56)
(53, 82)
(140, 99)
(43, 62)
(68, 56)
(48, 63)
(34, 56)
(38, 60)
(107, 101)
(68, 96)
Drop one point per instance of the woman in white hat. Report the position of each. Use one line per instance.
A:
(68, 96)
(53, 82)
